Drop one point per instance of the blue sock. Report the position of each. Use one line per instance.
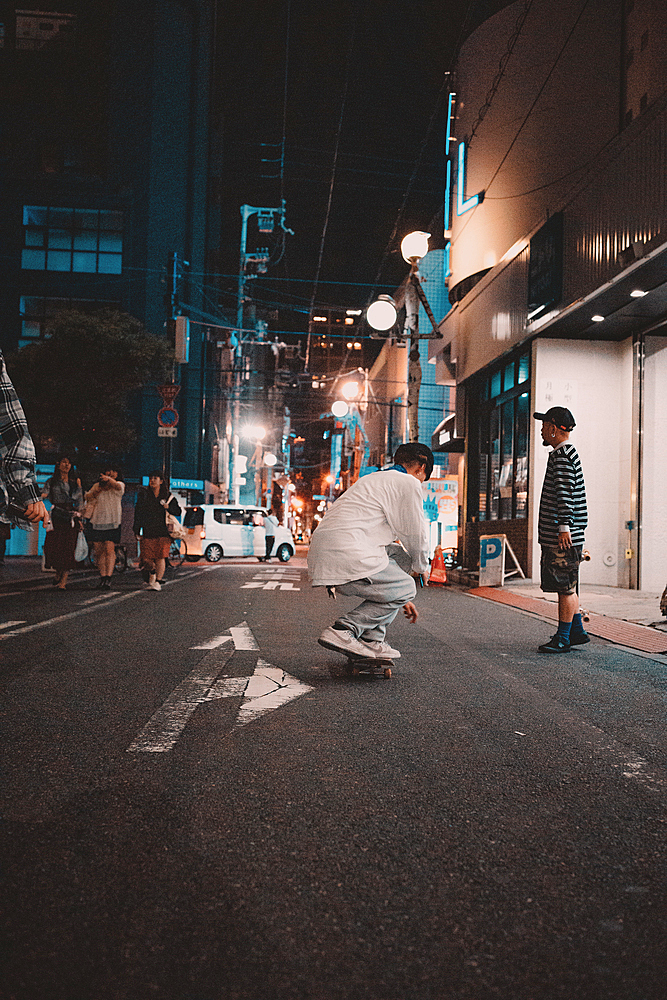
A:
(578, 625)
(564, 630)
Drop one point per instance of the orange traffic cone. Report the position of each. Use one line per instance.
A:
(438, 575)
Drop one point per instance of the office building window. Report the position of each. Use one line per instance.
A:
(501, 416)
(72, 239)
(38, 313)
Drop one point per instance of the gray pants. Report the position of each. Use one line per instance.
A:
(384, 594)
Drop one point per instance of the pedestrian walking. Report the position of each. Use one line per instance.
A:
(18, 484)
(563, 517)
(5, 533)
(63, 490)
(354, 552)
(150, 522)
(103, 508)
(270, 525)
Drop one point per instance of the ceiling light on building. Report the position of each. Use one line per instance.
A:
(637, 293)
(597, 318)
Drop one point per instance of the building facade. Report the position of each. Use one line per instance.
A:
(104, 157)
(557, 220)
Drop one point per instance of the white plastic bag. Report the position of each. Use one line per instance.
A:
(81, 547)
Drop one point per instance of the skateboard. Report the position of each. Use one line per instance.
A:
(371, 666)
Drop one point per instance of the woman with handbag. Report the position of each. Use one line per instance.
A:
(103, 509)
(64, 492)
(154, 502)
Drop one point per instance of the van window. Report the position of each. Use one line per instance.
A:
(235, 516)
(194, 517)
(219, 515)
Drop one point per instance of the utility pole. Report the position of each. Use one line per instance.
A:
(168, 415)
(266, 222)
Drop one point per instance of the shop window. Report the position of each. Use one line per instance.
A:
(67, 239)
(503, 423)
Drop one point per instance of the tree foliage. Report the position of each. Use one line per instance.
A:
(76, 386)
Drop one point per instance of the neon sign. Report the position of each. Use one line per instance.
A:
(463, 204)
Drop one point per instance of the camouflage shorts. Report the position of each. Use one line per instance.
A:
(559, 569)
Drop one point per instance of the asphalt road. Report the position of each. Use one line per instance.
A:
(200, 804)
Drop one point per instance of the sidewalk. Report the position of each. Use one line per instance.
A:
(28, 570)
(629, 618)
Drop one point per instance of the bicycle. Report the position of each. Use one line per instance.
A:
(178, 551)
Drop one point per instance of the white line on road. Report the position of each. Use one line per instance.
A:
(164, 728)
(10, 624)
(94, 600)
(116, 599)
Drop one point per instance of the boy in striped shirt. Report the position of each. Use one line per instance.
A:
(562, 520)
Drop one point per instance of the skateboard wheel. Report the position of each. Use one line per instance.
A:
(387, 672)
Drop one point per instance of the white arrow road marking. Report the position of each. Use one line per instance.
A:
(228, 687)
(213, 643)
(243, 637)
(164, 728)
(271, 585)
(268, 688)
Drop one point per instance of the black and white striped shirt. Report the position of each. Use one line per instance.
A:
(563, 500)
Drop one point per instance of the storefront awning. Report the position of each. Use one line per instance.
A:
(623, 309)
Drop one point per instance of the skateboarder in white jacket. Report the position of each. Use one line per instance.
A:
(354, 550)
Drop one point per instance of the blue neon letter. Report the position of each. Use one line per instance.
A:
(461, 205)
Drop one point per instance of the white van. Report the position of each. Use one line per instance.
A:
(216, 530)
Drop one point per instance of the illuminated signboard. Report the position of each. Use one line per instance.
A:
(463, 204)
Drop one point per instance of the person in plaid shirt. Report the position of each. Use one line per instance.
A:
(17, 455)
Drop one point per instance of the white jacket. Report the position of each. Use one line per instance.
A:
(350, 542)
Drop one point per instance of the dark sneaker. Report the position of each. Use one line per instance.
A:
(556, 644)
(579, 638)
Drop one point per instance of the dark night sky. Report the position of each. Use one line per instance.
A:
(383, 64)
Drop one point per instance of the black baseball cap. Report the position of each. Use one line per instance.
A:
(560, 416)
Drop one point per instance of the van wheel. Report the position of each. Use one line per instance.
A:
(213, 553)
(284, 552)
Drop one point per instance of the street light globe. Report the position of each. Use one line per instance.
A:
(414, 246)
(256, 431)
(382, 313)
(350, 390)
(339, 408)
(270, 459)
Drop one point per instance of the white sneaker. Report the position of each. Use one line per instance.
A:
(382, 650)
(344, 642)
(154, 585)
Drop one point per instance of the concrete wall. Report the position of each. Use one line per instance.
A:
(594, 380)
